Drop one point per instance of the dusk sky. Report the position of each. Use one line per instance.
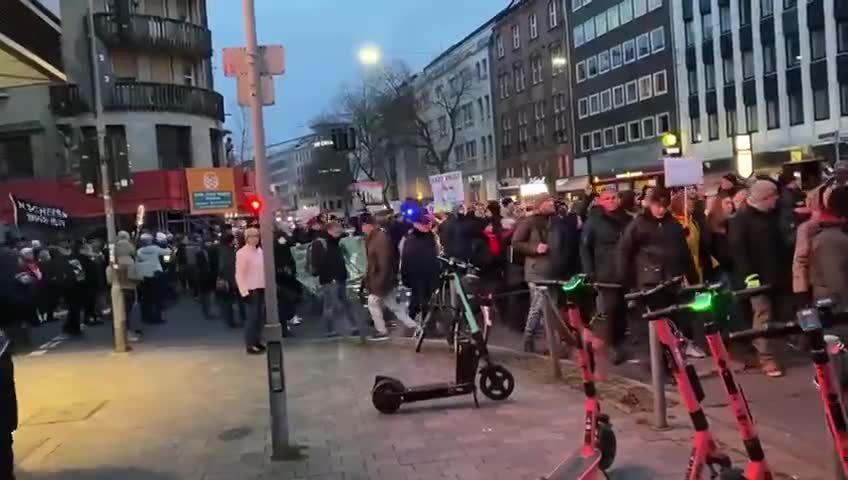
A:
(322, 38)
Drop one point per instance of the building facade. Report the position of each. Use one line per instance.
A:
(623, 88)
(774, 69)
(156, 79)
(531, 94)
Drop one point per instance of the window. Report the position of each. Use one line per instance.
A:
(557, 60)
(625, 9)
(635, 131)
(689, 32)
(174, 146)
(483, 148)
(534, 27)
(488, 106)
(583, 108)
(188, 74)
(692, 76)
(503, 86)
(471, 150)
(663, 123)
(769, 59)
(609, 137)
(576, 5)
(579, 38)
(621, 134)
(654, 4)
(766, 8)
(603, 62)
(606, 100)
(772, 114)
(592, 66)
(16, 154)
(516, 37)
(585, 142)
(821, 104)
(842, 36)
(594, 104)
(646, 89)
(536, 67)
(618, 96)
(615, 57)
(600, 25)
(643, 45)
(727, 68)
(640, 7)
(817, 44)
(658, 40)
(589, 29)
(632, 92)
(751, 118)
(481, 110)
(649, 128)
(706, 26)
(695, 129)
(597, 140)
(796, 108)
(553, 18)
(787, 4)
(744, 12)
(519, 78)
(581, 72)
(629, 51)
(793, 51)
(500, 47)
(724, 18)
(843, 98)
(613, 18)
(709, 76)
(485, 72)
(660, 83)
(730, 117)
(748, 64)
(712, 126)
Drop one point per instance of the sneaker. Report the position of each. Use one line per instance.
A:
(332, 334)
(379, 337)
(254, 350)
(694, 351)
(354, 332)
(133, 337)
(618, 355)
(529, 345)
(771, 368)
(296, 320)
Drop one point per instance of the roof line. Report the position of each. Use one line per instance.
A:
(49, 17)
(31, 57)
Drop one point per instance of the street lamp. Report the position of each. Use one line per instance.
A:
(369, 55)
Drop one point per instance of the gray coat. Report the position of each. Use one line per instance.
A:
(528, 235)
(829, 264)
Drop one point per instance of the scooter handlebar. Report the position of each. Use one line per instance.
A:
(453, 262)
(649, 292)
(666, 312)
(771, 331)
(750, 292)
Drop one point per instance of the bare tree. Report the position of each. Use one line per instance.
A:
(242, 128)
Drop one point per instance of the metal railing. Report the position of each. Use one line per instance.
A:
(154, 32)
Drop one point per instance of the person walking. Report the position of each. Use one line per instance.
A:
(149, 268)
(381, 275)
(329, 263)
(227, 292)
(419, 252)
(126, 274)
(87, 283)
(250, 280)
(758, 253)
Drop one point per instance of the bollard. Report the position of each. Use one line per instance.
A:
(657, 378)
(549, 317)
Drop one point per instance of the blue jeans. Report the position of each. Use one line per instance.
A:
(334, 298)
(536, 311)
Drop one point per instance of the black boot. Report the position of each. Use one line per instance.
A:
(529, 345)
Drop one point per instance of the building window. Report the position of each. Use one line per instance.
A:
(600, 25)
(640, 7)
(581, 72)
(751, 118)
(484, 74)
(534, 27)
(769, 59)
(709, 76)
(589, 29)
(788, 4)
(712, 126)
(16, 155)
(727, 68)
(583, 108)
(592, 66)
(618, 96)
(817, 44)
(499, 46)
(654, 4)
(519, 76)
(632, 92)
(536, 68)
(692, 76)
(643, 45)
(695, 129)
(621, 134)
(576, 5)
(744, 12)
(481, 110)
(597, 140)
(606, 100)
(707, 26)
(796, 108)
(772, 114)
(842, 36)
(594, 104)
(646, 89)
(579, 37)
(724, 18)
(821, 104)
(663, 123)
(613, 20)
(660, 83)
(730, 117)
(843, 99)
(629, 51)
(609, 137)
(766, 8)
(649, 128)
(585, 142)
(174, 146)
(553, 18)
(689, 32)
(603, 62)
(557, 60)
(658, 40)
(516, 37)
(748, 64)
(615, 57)
(635, 131)
(625, 9)
(793, 51)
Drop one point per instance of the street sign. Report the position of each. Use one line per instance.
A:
(267, 91)
(272, 61)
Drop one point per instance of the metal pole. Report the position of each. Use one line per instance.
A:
(549, 317)
(273, 328)
(657, 378)
(119, 318)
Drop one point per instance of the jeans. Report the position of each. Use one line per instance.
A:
(334, 298)
(129, 301)
(611, 324)
(375, 307)
(255, 317)
(7, 457)
(537, 310)
(151, 300)
(419, 300)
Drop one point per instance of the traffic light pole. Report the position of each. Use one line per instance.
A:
(281, 450)
(119, 318)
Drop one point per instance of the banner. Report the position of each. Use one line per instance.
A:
(448, 191)
(211, 190)
(29, 213)
(370, 192)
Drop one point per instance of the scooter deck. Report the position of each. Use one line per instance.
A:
(577, 467)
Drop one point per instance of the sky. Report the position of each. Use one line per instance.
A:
(322, 37)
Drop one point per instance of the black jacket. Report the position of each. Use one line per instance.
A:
(599, 243)
(419, 263)
(654, 250)
(463, 233)
(328, 260)
(225, 263)
(759, 249)
(9, 294)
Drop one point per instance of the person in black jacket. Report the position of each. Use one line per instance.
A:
(225, 272)
(329, 262)
(289, 289)
(9, 293)
(419, 264)
(87, 284)
(599, 259)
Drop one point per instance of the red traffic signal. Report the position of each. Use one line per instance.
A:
(255, 205)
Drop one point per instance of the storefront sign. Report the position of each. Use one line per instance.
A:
(448, 191)
(29, 213)
(211, 190)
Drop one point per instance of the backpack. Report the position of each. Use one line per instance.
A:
(563, 240)
(311, 264)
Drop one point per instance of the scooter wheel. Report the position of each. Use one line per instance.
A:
(496, 382)
(607, 445)
(732, 474)
(386, 396)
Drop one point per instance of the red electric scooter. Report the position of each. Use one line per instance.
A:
(811, 322)
(599, 444)
(713, 302)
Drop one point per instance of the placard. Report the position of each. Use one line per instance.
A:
(448, 191)
(682, 171)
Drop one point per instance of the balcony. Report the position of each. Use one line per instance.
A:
(66, 101)
(148, 32)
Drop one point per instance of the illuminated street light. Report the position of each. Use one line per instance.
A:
(369, 55)
(558, 61)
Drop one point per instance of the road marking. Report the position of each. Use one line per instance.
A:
(57, 340)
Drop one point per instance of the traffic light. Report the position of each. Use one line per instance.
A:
(671, 145)
(344, 139)
(255, 205)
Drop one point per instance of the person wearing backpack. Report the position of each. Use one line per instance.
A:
(328, 264)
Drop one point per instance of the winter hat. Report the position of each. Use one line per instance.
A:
(123, 235)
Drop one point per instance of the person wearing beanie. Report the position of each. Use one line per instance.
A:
(791, 199)
(758, 249)
(148, 268)
(250, 281)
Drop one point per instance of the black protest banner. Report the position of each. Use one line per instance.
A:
(30, 213)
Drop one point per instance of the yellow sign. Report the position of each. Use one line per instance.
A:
(669, 140)
(211, 190)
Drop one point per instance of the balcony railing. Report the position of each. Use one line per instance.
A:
(157, 33)
(65, 100)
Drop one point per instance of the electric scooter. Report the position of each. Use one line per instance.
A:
(496, 382)
(599, 444)
(712, 302)
(705, 450)
(811, 322)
